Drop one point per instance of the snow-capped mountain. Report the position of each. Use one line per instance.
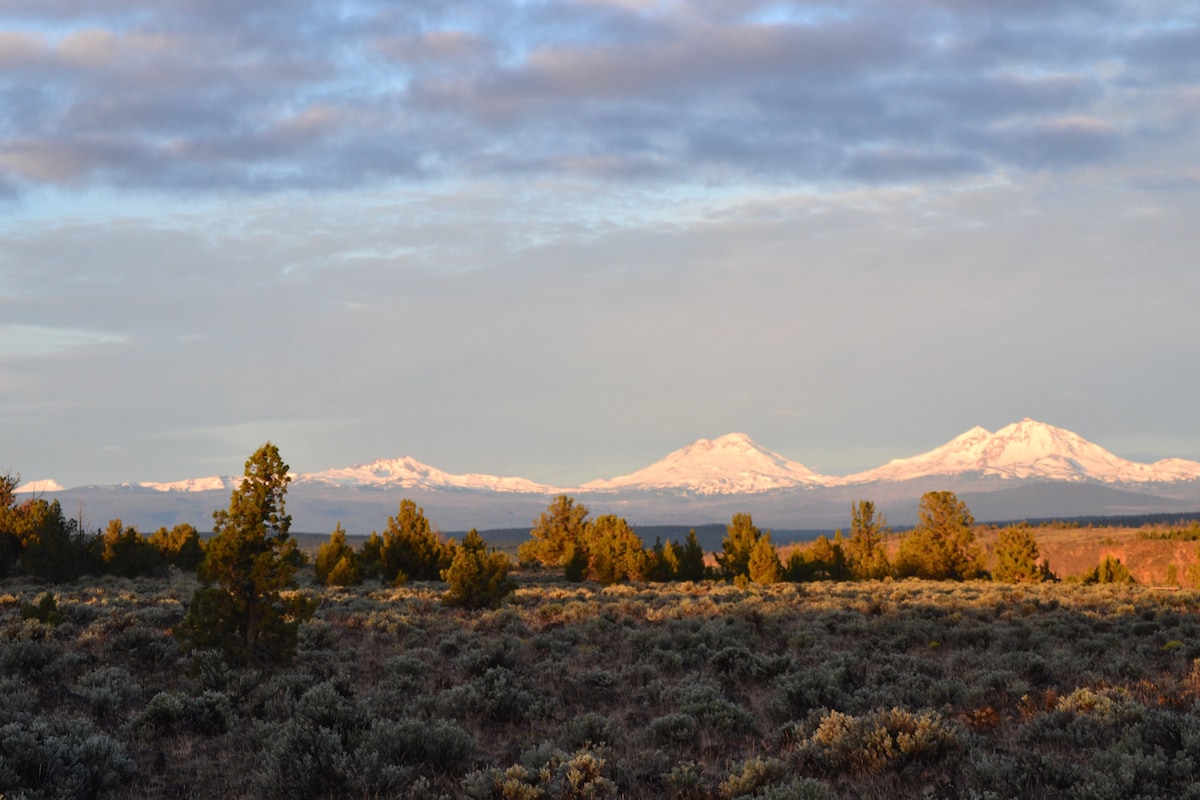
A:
(407, 472)
(730, 464)
(1028, 450)
(210, 484)
(37, 487)
(734, 465)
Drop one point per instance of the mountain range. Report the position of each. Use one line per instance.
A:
(701, 482)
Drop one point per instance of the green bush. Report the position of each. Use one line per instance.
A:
(545, 773)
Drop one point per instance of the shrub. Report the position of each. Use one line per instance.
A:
(44, 610)
(210, 713)
(499, 695)
(546, 773)
(752, 775)
(878, 741)
(592, 729)
(674, 728)
(108, 690)
(60, 758)
(439, 744)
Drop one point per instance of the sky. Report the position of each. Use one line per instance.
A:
(561, 239)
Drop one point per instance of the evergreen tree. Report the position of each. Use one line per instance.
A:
(554, 533)
(764, 567)
(942, 546)
(738, 544)
(1017, 557)
(239, 608)
(866, 557)
(691, 560)
(51, 546)
(478, 576)
(337, 563)
(129, 554)
(10, 541)
(614, 552)
(411, 550)
(662, 561)
(181, 546)
(1110, 570)
(575, 562)
(370, 559)
(820, 560)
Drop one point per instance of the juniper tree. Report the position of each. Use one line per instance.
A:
(337, 563)
(738, 544)
(555, 533)
(942, 546)
(614, 551)
(240, 608)
(691, 559)
(129, 554)
(1017, 557)
(764, 567)
(411, 549)
(866, 557)
(478, 576)
(180, 546)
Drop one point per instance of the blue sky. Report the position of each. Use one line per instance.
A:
(559, 239)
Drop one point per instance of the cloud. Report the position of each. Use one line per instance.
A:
(220, 96)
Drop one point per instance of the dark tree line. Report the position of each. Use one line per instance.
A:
(37, 539)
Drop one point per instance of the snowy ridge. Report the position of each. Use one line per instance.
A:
(210, 484)
(734, 464)
(407, 473)
(1028, 450)
(731, 464)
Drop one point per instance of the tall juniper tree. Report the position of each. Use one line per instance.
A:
(240, 608)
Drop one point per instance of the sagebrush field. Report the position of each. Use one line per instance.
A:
(683, 690)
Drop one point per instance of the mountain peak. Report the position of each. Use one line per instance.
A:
(39, 486)
(729, 464)
(407, 472)
(1028, 449)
